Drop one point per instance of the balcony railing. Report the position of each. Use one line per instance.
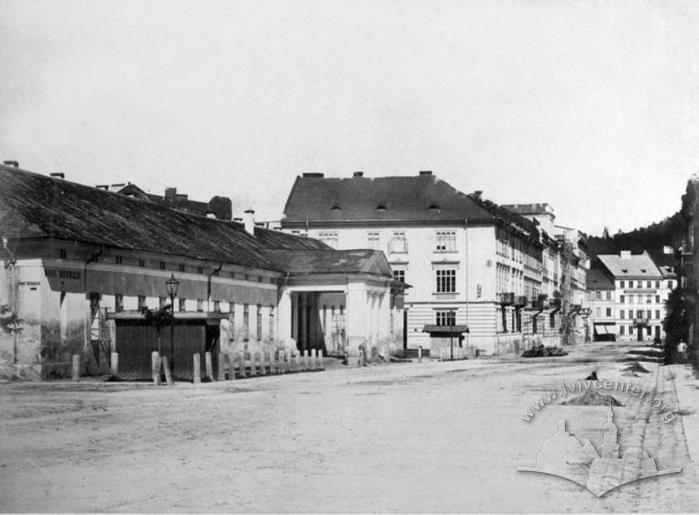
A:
(640, 322)
(521, 300)
(539, 302)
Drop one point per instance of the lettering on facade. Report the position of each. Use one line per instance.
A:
(62, 274)
(30, 283)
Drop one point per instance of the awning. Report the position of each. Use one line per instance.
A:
(601, 329)
(445, 329)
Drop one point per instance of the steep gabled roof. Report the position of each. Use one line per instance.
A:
(597, 277)
(36, 206)
(416, 198)
(636, 266)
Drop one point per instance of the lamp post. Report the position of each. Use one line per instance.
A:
(171, 285)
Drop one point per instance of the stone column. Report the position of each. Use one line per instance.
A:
(357, 317)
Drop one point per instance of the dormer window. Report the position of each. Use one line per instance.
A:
(643, 270)
(433, 207)
(335, 208)
(381, 207)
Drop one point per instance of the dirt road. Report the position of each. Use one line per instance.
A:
(407, 437)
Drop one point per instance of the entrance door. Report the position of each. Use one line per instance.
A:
(639, 333)
(657, 332)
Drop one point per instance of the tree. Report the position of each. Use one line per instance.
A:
(676, 323)
(11, 324)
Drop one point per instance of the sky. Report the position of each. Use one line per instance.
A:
(591, 106)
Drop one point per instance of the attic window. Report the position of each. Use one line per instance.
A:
(381, 207)
(643, 270)
(624, 270)
(335, 208)
(433, 207)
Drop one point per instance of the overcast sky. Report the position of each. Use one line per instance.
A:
(590, 106)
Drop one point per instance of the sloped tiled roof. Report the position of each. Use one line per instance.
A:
(35, 206)
(636, 265)
(416, 198)
(364, 261)
(597, 279)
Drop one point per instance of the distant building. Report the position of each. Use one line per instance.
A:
(218, 207)
(637, 300)
(80, 263)
(479, 272)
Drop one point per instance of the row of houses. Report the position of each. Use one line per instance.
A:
(497, 277)
(82, 263)
(384, 265)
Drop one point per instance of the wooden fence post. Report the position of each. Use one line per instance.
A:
(155, 367)
(221, 366)
(115, 364)
(76, 367)
(208, 366)
(231, 366)
(241, 361)
(320, 360)
(166, 368)
(196, 376)
(305, 360)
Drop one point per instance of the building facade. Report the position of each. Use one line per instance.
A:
(627, 294)
(470, 263)
(82, 263)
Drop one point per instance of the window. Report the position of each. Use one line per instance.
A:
(182, 303)
(621, 284)
(648, 314)
(446, 241)
(161, 264)
(180, 267)
(649, 299)
(258, 328)
(609, 295)
(609, 312)
(246, 321)
(399, 275)
(621, 330)
(141, 302)
(657, 299)
(669, 284)
(62, 253)
(445, 317)
(217, 306)
(271, 323)
(552, 320)
(657, 314)
(598, 312)
(329, 238)
(621, 299)
(622, 314)
(162, 302)
(639, 313)
(118, 302)
(648, 284)
(657, 284)
(200, 269)
(398, 243)
(446, 281)
(141, 262)
(598, 295)
(639, 284)
(373, 240)
(200, 305)
(118, 260)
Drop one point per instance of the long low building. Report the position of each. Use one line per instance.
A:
(82, 263)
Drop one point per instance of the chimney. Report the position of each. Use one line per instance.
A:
(314, 174)
(11, 163)
(625, 254)
(170, 193)
(249, 221)
(425, 172)
(358, 174)
(478, 194)
(58, 175)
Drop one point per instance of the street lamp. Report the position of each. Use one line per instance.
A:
(171, 285)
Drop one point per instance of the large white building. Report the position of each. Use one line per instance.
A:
(471, 264)
(627, 294)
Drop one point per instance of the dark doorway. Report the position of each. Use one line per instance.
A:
(405, 329)
(639, 333)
